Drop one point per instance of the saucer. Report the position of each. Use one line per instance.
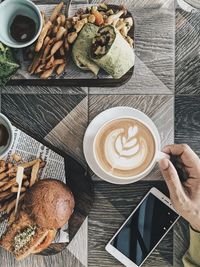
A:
(98, 122)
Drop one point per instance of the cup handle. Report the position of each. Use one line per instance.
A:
(161, 155)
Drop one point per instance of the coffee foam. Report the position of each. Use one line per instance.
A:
(125, 147)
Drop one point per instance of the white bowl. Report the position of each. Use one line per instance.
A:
(9, 9)
(5, 149)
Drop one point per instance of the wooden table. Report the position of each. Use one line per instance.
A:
(60, 116)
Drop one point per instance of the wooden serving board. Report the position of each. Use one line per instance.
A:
(72, 76)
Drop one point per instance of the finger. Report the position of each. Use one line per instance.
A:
(188, 156)
(172, 179)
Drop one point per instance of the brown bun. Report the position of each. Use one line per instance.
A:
(46, 242)
(49, 203)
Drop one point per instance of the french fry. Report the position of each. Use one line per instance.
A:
(2, 166)
(49, 63)
(11, 174)
(29, 163)
(40, 68)
(66, 44)
(71, 37)
(2, 169)
(59, 20)
(58, 61)
(5, 194)
(10, 184)
(56, 11)
(6, 173)
(36, 62)
(10, 165)
(46, 40)
(62, 51)
(2, 163)
(47, 50)
(5, 181)
(60, 33)
(43, 18)
(47, 73)
(56, 47)
(55, 30)
(11, 205)
(14, 189)
(34, 173)
(60, 69)
(63, 19)
(3, 175)
(42, 36)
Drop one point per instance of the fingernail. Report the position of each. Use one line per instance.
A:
(164, 164)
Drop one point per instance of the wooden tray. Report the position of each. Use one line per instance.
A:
(73, 76)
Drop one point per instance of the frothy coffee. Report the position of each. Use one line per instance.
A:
(124, 147)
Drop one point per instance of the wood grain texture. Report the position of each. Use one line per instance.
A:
(62, 259)
(107, 215)
(135, 4)
(187, 121)
(187, 52)
(180, 241)
(69, 132)
(159, 108)
(44, 90)
(38, 114)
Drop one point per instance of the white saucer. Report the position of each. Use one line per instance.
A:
(98, 122)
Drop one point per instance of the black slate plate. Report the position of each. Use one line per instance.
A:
(81, 184)
(83, 82)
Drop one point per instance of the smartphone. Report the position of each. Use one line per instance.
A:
(143, 230)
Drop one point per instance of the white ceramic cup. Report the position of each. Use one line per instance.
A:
(5, 149)
(9, 9)
(158, 155)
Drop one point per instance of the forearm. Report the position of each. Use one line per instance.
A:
(192, 256)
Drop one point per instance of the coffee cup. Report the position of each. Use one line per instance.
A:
(6, 135)
(126, 148)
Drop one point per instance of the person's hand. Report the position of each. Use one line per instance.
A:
(185, 196)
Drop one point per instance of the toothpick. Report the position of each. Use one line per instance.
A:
(19, 177)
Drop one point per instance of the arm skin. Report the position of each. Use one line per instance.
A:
(185, 196)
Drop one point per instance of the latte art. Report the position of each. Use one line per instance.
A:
(125, 147)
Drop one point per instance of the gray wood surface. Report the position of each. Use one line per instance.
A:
(187, 52)
(151, 89)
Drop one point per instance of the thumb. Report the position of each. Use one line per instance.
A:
(172, 179)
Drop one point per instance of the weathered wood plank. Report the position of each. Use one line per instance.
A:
(187, 52)
(38, 114)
